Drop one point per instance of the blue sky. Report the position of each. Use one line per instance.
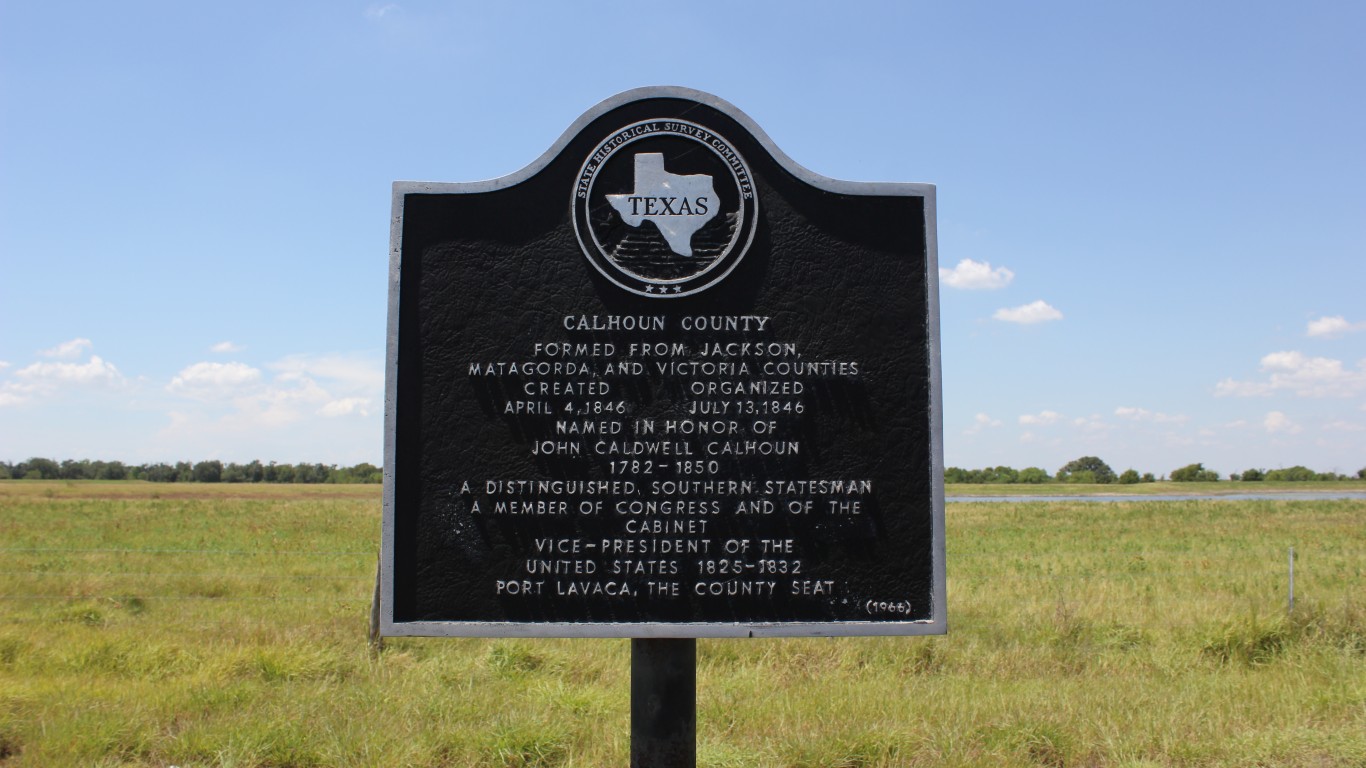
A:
(1151, 215)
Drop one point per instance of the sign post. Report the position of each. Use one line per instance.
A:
(663, 383)
(663, 703)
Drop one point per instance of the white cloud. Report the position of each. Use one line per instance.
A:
(1043, 419)
(380, 11)
(1278, 423)
(93, 371)
(3, 365)
(1032, 439)
(345, 407)
(211, 381)
(1332, 327)
(285, 390)
(972, 275)
(1143, 414)
(1232, 388)
(1092, 423)
(226, 347)
(45, 379)
(236, 398)
(352, 374)
(1344, 426)
(980, 422)
(1302, 375)
(1036, 312)
(300, 407)
(68, 350)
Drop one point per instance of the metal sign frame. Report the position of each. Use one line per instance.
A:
(937, 621)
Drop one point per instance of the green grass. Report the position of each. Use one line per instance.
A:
(155, 625)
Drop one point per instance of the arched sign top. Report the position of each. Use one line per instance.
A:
(703, 99)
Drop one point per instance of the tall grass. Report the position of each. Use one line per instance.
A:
(225, 626)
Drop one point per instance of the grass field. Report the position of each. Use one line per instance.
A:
(202, 625)
(1164, 488)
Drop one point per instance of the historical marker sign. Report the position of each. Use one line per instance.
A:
(663, 382)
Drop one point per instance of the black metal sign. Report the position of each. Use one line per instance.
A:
(663, 382)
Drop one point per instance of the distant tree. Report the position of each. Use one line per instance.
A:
(253, 472)
(1033, 476)
(959, 475)
(207, 472)
(37, 469)
(1000, 475)
(158, 473)
(1253, 476)
(1100, 472)
(1361, 473)
(311, 473)
(1148, 477)
(1194, 473)
(1129, 477)
(73, 470)
(361, 473)
(112, 470)
(1295, 474)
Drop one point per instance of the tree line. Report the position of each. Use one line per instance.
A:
(1087, 469)
(186, 472)
(1091, 469)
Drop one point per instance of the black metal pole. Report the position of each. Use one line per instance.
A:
(663, 703)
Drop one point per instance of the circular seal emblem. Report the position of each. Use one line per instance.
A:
(665, 208)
